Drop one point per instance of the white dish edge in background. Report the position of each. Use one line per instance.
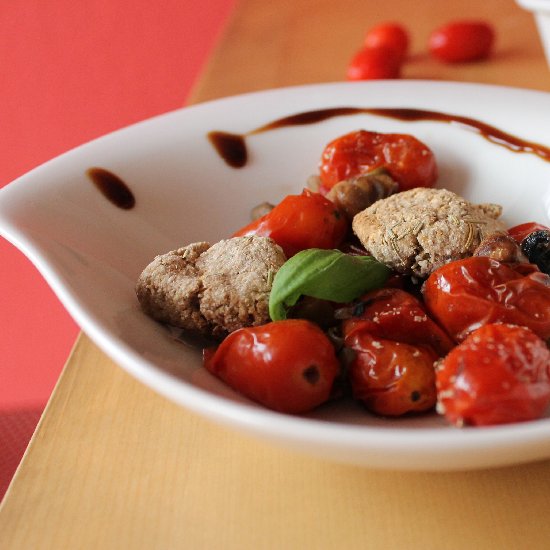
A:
(541, 12)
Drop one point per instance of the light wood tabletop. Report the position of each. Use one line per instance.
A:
(113, 465)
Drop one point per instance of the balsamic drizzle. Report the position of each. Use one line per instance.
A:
(233, 150)
(112, 187)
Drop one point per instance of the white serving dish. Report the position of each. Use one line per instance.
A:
(91, 252)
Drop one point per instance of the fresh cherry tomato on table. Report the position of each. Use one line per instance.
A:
(467, 294)
(389, 35)
(461, 41)
(395, 345)
(519, 232)
(299, 222)
(409, 161)
(374, 64)
(289, 366)
(499, 374)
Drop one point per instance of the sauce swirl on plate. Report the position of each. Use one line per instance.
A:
(232, 147)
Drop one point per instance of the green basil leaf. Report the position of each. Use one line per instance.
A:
(324, 274)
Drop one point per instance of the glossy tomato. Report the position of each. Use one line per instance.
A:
(519, 232)
(499, 374)
(467, 294)
(395, 314)
(408, 160)
(395, 345)
(389, 35)
(391, 378)
(461, 41)
(376, 63)
(299, 222)
(289, 366)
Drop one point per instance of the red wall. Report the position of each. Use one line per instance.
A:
(72, 71)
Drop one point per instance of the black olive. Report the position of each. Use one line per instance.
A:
(536, 246)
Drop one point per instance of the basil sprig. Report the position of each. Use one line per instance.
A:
(324, 274)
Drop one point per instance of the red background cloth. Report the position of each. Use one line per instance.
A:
(72, 71)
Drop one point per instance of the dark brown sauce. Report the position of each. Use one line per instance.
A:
(112, 187)
(232, 147)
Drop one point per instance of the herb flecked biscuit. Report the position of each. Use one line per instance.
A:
(212, 290)
(417, 231)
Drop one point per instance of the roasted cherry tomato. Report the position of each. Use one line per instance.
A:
(299, 222)
(499, 374)
(408, 160)
(374, 64)
(289, 366)
(395, 345)
(519, 232)
(395, 314)
(467, 294)
(391, 378)
(389, 35)
(461, 41)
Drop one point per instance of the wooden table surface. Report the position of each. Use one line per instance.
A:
(113, 465)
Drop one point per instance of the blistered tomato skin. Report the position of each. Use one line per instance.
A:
(462, 41)
(299, 222)
(500, 374)
(288, 366)
(391, 378)
(394, 314)
(409, 161)
(374, 64)
(395, 345)
(466, 294)
(389, 35)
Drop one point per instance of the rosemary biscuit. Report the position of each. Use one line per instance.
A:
(415, 232)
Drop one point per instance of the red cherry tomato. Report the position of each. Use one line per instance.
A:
(519, 232)
(389, 35)
(394, 314)
(289, 366)
(395, 346)
(374, 64)
(499, 374)
(467, 294)
(461, 41)
(391, 378)
(299, 222)
(408, 160)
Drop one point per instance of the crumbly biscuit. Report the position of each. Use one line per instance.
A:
(212, 290)
(415, 232)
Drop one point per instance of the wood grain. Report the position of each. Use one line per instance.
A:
(113, 465)
(288, 42)
(124, 468)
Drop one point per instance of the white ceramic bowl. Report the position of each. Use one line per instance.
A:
(91, 252)
(541, 12)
